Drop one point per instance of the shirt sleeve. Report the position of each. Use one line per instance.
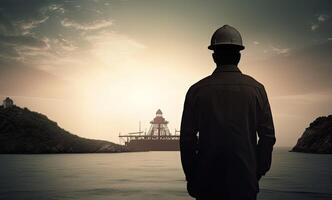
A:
(266, 135)
(188, 137)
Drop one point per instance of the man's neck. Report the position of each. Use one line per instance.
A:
(226, 65)
(227, 68)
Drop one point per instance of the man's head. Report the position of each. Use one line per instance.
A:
(226, 42)
(226, 56)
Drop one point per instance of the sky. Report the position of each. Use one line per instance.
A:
(99, 67)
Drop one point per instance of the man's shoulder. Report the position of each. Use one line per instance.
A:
(199, 84)
(244, 80)
(252, 81)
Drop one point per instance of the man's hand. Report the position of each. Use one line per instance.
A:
(192, 189)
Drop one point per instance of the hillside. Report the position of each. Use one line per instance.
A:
(24, 131)
(317, 138)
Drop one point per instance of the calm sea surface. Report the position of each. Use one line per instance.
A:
(149, 175)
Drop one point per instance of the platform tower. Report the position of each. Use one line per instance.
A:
(158, 126)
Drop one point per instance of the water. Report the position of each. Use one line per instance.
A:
(148, 175)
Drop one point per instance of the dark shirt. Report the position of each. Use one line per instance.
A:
(222, 117)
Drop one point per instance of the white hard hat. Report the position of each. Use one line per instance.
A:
(226, 36)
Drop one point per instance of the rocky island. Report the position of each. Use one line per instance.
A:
(317, 138)
(25, 131)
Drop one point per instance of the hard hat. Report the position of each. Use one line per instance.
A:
(226, 36)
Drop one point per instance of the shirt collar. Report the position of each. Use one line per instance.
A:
(226, 68)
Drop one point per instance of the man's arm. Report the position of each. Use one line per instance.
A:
(188, 137)
(266, 134)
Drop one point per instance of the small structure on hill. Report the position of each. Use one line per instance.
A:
(8, 102)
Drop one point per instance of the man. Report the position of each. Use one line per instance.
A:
(223, 114)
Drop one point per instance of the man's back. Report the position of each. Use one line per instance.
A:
(226, 109)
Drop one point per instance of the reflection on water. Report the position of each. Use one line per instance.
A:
(147, 175)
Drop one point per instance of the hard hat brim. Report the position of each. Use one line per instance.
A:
(226, 45)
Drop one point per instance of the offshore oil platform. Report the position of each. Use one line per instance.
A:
(158, 138)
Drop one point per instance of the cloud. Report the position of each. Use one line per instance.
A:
(321, 18)
(16, 78)
(55, 8)
(19, 47)
(283, 51)
(27, 25)
(34, 34)
(7, 51)
(314, 27)
(303, 70)
(95, 25)
(27, 41)
(6, 27)
(64, 44)
(64, 38)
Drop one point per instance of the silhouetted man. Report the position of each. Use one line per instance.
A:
(222, 114)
